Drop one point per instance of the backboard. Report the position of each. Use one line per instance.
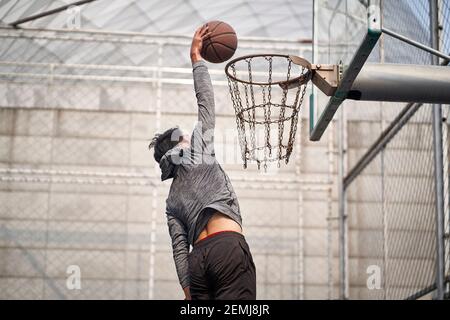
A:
(345, 33)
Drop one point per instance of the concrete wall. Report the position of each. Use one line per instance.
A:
(106, 228)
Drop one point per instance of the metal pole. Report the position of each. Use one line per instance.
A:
(446, 167)
(151, 287)
(386, 136)
(50, 12)
(342, 211)
(330, 220)
(417, 44)
(402, 83)
(162, 37)
(300, 222)
(438, 163)
(385, 274)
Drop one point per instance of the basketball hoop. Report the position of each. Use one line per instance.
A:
(265, 99)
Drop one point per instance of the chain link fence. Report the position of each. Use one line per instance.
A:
(390, 182)
(80, 196)
(388, 235)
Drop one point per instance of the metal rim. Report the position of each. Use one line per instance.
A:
(295, 60)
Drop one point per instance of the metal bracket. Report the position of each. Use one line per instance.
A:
(326, 77)
(416, 44)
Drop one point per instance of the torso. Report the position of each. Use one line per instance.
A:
(187, 200)
(219, 222)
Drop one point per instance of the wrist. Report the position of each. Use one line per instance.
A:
(195, 56)
(187, 293)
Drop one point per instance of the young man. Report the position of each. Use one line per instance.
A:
(202, 208)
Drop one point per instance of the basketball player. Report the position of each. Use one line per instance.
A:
(202, 209)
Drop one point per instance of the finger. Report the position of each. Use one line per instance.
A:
(199, 30)
(206, 35)
(204, 30)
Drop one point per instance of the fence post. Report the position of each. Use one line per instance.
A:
(159, 84)
(343, 229)
(438, 162)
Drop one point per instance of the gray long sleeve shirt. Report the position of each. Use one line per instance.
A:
(200, 187)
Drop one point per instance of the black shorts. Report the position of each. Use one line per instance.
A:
(221, 267)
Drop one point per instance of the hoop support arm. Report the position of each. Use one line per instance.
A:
(326, 77)
(402, 83)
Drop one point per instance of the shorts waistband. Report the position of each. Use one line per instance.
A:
(219, 234)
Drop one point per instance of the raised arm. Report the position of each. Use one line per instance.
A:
(203, 89)
(180, 248)
(205, 97)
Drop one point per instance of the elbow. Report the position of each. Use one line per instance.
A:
(205, 98)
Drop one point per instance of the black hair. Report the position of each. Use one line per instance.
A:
(164, 142)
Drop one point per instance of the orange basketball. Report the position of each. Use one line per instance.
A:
(221, 44)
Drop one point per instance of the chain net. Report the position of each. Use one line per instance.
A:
(266, 112)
